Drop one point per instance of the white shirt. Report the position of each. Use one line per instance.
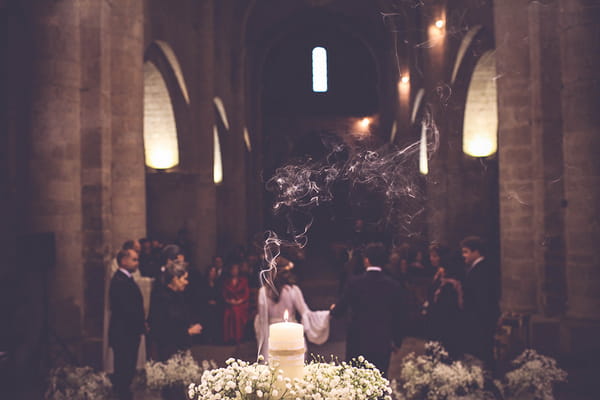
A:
(123, 270)
(480, 259)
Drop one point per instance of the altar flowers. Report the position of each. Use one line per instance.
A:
(322, 380)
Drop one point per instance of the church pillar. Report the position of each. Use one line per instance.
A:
(127, 95)
(546, 136)
(580, 63)
(204, 221)
(438, 180)
(96, 145)
(54, 159)
(516, 154)
(231, 195)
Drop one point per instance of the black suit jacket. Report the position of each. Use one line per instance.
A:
(377, 307)
(481, 295)
(127, 310)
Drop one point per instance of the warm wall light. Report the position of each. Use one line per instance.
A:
(217, 160)
(480, 126)
(405, 79)
(365, 122)
(160, 132)
(423, 161)
(440, 23)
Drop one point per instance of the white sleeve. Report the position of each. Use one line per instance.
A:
(316, 323)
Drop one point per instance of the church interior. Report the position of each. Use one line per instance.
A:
(433, 120)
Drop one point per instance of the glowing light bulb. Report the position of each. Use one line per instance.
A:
(365, 122)
(439, 23)
(405, 79)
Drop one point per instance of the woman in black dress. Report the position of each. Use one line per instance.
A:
(445, 302)
(171, 323)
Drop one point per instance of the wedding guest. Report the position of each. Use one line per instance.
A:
(481, 297)
(212, 307)
(218, 263)
(126, 322)
(358, 236)
(398, 267)
(145, 286)
(377, 311)
(236, 293)
(149, 266)
(444, 307)
(172, 325)
(281, 294)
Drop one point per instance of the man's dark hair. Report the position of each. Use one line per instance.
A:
(130, 244)
(473, 243)
(121, 255)
(377, 254)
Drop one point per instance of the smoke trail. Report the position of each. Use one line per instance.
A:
(302, 185)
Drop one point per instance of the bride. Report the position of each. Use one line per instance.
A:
(274, 300)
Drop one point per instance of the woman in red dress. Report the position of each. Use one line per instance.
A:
(236, 294)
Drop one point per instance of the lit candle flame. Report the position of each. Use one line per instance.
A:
(286, 316)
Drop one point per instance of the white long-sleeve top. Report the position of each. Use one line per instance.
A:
(315, 323)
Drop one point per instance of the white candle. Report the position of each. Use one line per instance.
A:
(286, 348)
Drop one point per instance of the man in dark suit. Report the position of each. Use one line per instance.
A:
(377, 310)
(481, 295)
(126, 322)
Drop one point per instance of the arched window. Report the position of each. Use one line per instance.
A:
(217, 160)
(160, 133)
(480, 128)
(319, 69)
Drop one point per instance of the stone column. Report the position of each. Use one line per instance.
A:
(96, 149)
(546, 134)
(516, 154)
(204, 216)
(438, 181)
(127, 95)
(54, 166)
(580, 63)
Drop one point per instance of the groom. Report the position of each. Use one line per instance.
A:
(377, 311)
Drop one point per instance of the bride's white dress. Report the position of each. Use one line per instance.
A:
(316, 323)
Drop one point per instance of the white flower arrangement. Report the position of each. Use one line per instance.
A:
(432, 377)
(83, 383)
(322, 381)
(533, 376)
(178, 370)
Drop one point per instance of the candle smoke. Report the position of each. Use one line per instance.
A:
(388, 171)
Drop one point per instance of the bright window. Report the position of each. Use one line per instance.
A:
(319, 69)
(160, 131)
(217, 160)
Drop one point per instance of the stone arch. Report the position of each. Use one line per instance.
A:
(174, 63)
(160, 130)
(462, 50)
(167, 127)
(480, 125)
(473, 180)
(166, 99)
